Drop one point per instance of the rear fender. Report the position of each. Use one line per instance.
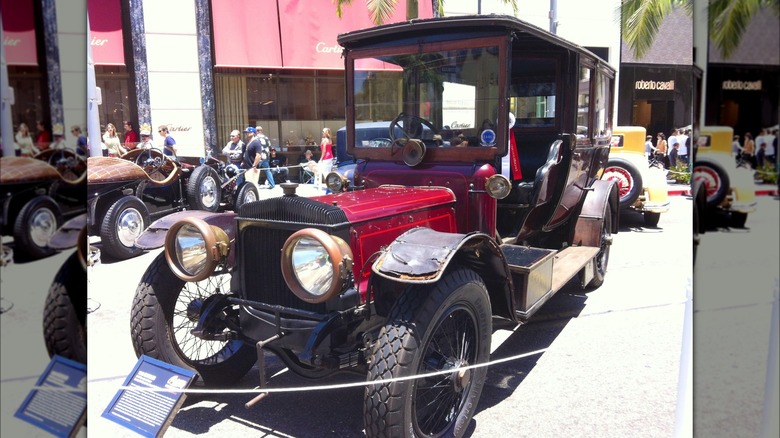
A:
(154, 236)
(588, 229)
(422, 255)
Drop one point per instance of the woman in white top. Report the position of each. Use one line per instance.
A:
(112, 141)
(24, 141)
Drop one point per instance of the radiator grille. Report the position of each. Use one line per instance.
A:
(264, 227)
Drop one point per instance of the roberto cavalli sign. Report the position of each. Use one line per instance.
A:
(150, 409)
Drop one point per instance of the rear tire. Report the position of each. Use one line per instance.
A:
(715, 179)
(602, 258)
(446, 327)
(628, 179)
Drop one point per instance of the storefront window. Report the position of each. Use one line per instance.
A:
(28, 98)
(116, 107)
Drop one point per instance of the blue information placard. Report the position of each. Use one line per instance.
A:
(149, 413)
(58, 403)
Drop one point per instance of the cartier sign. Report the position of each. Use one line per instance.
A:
(654, 85)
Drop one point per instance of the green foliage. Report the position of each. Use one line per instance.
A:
(680, 173)
(766, 174)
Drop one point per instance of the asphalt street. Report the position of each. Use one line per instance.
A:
(607, 362)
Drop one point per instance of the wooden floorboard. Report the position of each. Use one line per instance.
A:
(569, 262)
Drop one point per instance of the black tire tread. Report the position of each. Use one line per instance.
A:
(147, 328)
(193, 188)
(110, 243)
(64, 331)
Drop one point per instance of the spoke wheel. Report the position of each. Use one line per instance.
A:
(441, 330)
(166, 309)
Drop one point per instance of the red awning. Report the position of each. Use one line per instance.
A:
(19, 32)
(246, 33)
(245, 37)
(105, 28)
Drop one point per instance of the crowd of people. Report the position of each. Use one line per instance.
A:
(758, 152)
(672, 151)
(256, 155)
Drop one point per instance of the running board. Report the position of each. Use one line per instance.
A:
(537, 274)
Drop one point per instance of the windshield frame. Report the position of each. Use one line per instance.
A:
(475, 153)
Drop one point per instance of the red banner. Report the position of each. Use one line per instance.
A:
(300, 34)
(105, 29)
(246, 33)
(19, 32)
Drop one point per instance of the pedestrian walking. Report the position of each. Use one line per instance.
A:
(169, 144)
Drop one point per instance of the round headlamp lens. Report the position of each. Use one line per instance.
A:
(312, 266)
(191, 252)
(498, 186)
(334, 182)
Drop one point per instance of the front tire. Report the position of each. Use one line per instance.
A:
(203, 189)
(628, 179)
(441, 329)
(651, 218)
(37, 221)
(65, 312)
(166, 309)
(124, 222)
(248, 192)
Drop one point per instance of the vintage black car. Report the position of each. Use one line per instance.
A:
(403, 274)
(38, 195)
(126, 194)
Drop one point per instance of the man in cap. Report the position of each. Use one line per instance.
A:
(255, 156)
(146, 137)
(234, 149)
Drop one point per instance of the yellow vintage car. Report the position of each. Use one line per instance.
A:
(642, 187)
(729, 188)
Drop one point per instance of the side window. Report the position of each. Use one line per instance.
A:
(602, 105)
(532, 92)
(583, 102)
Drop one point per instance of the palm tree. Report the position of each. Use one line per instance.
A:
(381, 10)
(727, 21)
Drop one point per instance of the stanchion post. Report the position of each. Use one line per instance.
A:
(770, 425)
(683, 422)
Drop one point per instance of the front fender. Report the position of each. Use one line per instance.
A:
(422, 255)
(68, 234)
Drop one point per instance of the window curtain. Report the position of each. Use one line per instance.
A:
(232, 113)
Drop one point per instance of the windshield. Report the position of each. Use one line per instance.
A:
(446, 98)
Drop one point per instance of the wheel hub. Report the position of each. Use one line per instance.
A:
(193, 310)
(459, 377)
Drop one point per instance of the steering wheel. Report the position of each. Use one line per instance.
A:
(412, 128)
(149, 162)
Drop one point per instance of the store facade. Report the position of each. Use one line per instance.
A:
(742, 90)
(205, 68)
(659, 91)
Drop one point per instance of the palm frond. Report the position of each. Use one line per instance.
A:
(728, 20)
(641, 20)
(381, 10)
(340, 6)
